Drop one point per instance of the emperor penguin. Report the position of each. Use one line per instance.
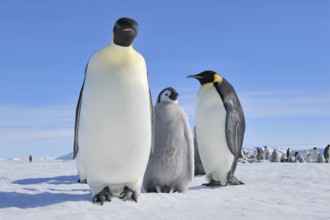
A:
(171, 164)
(315, 154)
(260, 155)
(306, 153)
(114, 119)
(326, 153)
(266, 153)
(288, 154)
(275, 156)
(220, 127)
(299, 157)
(320, 158)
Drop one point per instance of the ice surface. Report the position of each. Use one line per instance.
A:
(48, 190)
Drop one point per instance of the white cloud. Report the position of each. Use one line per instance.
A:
(27, 122)
(285, 104)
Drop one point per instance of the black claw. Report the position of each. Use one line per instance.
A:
(165, 189)
(82, 181)
(234, 181)
(212, 183)
(152, 190)
(128, 194)
(103, 196)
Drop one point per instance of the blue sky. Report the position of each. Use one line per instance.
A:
(276, 54)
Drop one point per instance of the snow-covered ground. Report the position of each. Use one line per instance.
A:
(48, 190)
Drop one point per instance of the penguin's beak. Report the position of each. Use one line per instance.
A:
(174, 96)
(128, 29)
(195, 77)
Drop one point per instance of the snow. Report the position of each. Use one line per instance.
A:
(48, 190)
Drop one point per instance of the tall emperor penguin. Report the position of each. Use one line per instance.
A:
(220, 127)
(114, 119)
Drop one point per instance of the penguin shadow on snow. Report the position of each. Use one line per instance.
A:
(27, 200)
(202, 187)
(57, 180)
(52, 196)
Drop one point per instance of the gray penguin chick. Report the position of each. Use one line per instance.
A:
(171, 164)
(275, 156)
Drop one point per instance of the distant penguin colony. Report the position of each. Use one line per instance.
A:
(171, 164)
(114, 119)
(220, 127)
(280, 155)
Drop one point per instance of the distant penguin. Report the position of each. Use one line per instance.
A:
(309, 158)
(220, 127)
(290, 159)
(260, 155)
(114, 130)
(283, 158)
(315, 154)
(306, 153)
(30, 158)
(171, 164)
(299, 157)
(320, 158)
(326, 153)
(288, 154)
(266, 153)
(199, 168)
(275, 156)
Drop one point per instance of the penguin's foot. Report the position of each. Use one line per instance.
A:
(103, 196)
(234, 181)
(151, 190)
(128, 194)
(212, 183)
(82, 181)
(165, 189)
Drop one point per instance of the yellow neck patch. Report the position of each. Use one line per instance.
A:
(217, 78)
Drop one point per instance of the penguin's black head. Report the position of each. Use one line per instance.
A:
(168, 94)
(296, 153)
(208, 76)
(125, 31)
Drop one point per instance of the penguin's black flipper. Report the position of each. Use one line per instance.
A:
(128, 194)
(103, 196)
(76, 127)
(235, 126)
(235, 121)
(152, 112)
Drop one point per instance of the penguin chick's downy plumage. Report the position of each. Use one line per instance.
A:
(113, 130)
(220, 127)
(275, 156)
(171, 164)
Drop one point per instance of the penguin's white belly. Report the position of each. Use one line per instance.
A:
(211, 134)
(115, 125)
